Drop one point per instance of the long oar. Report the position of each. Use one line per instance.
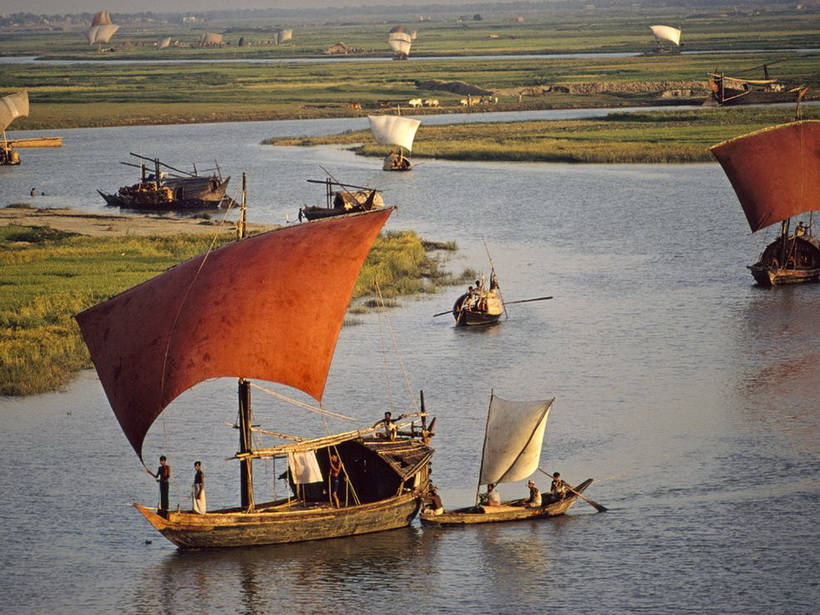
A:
(595, 505)
(527, 300)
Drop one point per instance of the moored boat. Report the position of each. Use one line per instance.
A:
(222, 314)
(350, 199)
(170, 190)
(513, 439)
(728, 91)
(775, 173)
(11, 107)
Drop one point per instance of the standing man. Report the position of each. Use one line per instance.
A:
(335, 472)
(198, 489)
(163, 477)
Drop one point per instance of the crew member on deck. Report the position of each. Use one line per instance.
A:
(163, 476)
(558, 487)
(534, 501)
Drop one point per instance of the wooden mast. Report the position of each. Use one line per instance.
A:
(245, 443)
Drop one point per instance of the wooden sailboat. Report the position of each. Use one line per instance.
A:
(266, 307)
(667, 39)
(170, 190)
(12, 107)
(513, 438)
(350, 199)
(394, 131)
(775, 173)
(399, 42)
(736, 90)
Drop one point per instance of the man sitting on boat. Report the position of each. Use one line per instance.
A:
(436, 505)
(534, 501)
(390, 428)
(558, 487)
(491, 498)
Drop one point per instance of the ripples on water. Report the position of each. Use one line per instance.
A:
(687, 393)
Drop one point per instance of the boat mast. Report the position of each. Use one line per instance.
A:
(245, 444)
(483, 449)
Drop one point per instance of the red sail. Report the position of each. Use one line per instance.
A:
(269, 307)
(775, 172)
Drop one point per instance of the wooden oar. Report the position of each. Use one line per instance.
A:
(443, 313)
(527, 300)
(595, 505)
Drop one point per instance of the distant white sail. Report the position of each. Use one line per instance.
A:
(399, 42)
(394, 130)
(12, 107)
(101, 29)
(666, 33)
(163, 43)
(513, 440)
(210, 38)
(280, 36)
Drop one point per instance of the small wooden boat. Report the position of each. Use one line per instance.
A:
(508, 511)
(222, 315)
(12, 107)
(479, 306)
(730, 91)
(394, 131)
(775, 173)
(513, 438)
(348, 200)
(172, 190)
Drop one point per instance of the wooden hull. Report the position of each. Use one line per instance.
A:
(396, 163)
(37, 142)
(180, 195)
(769, 276)
(487, 311)
(727, 91)
(475, 318)
(280, 524)
(802, 262)
(508, 511)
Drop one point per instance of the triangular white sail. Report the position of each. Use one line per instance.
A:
(394, 130)
(666, 33)
(12, 107)
(513, 440)
(164, 43)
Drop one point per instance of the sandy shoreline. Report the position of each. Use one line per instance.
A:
(111, 225)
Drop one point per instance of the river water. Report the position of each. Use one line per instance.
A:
(689, 394)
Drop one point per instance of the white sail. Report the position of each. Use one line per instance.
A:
(280, 36)
(666, 33)
(394, 130)
(513, 440)
(211, 38)
(101, 29)
(400, 42)
(12, 107)
(164, 43)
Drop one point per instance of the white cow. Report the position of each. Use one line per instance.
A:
(414, 102)
(431, 102)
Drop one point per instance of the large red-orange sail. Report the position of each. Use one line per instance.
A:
(775, 172)
(269, 307)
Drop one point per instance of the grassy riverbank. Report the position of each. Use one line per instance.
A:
(648, 137)
(47, 276)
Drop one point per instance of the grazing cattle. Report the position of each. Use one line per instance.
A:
(354, 105)
(431, 102)
(415, 102)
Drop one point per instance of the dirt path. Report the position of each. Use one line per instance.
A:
(108, 225)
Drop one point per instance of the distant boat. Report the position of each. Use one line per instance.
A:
(513, 438)
(12, 107)
(395, 131)
(170, 190)
(727, 91)
(775, 173)
(667, 39)
(350, 199)
(267, 307)
(101, 29)
(400, 42)
(282, 35)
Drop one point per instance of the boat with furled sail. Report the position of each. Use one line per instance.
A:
(395, 131)
(775, 173)
(667, 39)
(729, 91)
(350, 199)
(266, 307)
(513, 438)
(11, 107)
(170, 190)
(480, 305)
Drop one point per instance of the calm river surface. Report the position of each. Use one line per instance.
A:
(689, 394)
